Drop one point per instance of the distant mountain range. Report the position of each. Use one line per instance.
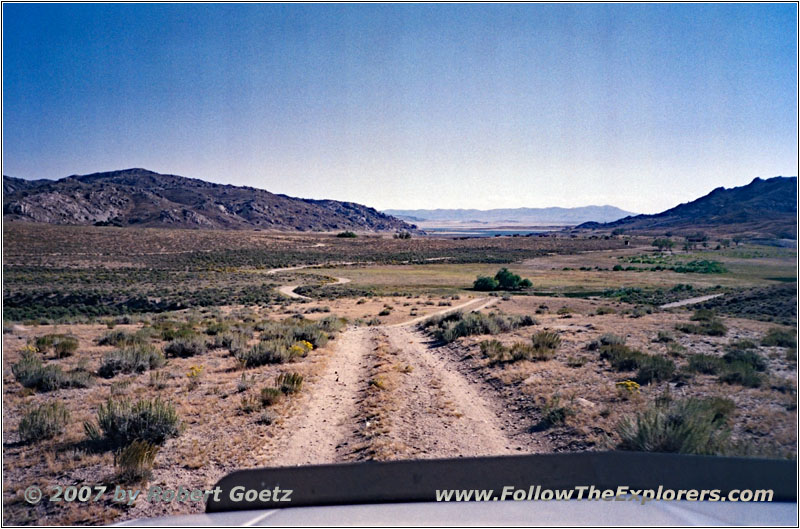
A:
(138, 197)
(762, 208)
(530, 216)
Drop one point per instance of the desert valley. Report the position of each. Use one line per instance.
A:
(193, 329)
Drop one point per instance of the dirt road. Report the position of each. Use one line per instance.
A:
(441, 413)
(325, 419)
(426, 409)
(288, 290)
(690, 301)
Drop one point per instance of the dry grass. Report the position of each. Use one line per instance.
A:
(379, 402)
(579, 376)
(214, 440)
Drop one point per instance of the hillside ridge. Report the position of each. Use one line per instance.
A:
(144, 198)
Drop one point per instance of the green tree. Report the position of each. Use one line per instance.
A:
(485, 284)
(508, 280)
(663, 244)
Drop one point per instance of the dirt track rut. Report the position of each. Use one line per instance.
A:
(324, 421)
(442, 414)
(435, 410)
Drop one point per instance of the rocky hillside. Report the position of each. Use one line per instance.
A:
(762, 208)
(138, 197)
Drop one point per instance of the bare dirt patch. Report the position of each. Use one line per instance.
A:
(321, 430)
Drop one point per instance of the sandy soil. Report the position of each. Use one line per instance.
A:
(435, 410)
(318, 433)
(442, 413)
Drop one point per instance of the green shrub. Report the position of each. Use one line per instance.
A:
(606, 339)
(543, 347)
(265, 352)
(554, 413)
(170, 332)
(122, 338)
(135, 461)
(545, 344)
(741, 345)
(283, 341)
(28, 371)
(132, 359)
(346, 235)
(295, 329)
(703, 315)
(122, 422)
(523, 351)
(250, 403)
(31, 373)
(216, 328)
(485, 284)
(621, 357)
(232, 341)
(709, 328)
(44, 343)
(245, 383)
(270, 396)
(289, 382)
(720, 408)
(43, 422)
(158, 379)
(186, 347)
(690, 426)
(675, 349)
(706, 364)
(777, 337)
(450, 327)
(751, 358)
(743, 374)
(654, 369)
(63, 345)
(665, 337)
(495, 350)
(507, 280)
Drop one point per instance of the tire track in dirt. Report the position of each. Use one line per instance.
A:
(690, 301)
(288, 290)
(445, 311)
(441, 413)
(432, 409)
(324, 425)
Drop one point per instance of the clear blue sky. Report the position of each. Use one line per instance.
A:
(409, 106)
